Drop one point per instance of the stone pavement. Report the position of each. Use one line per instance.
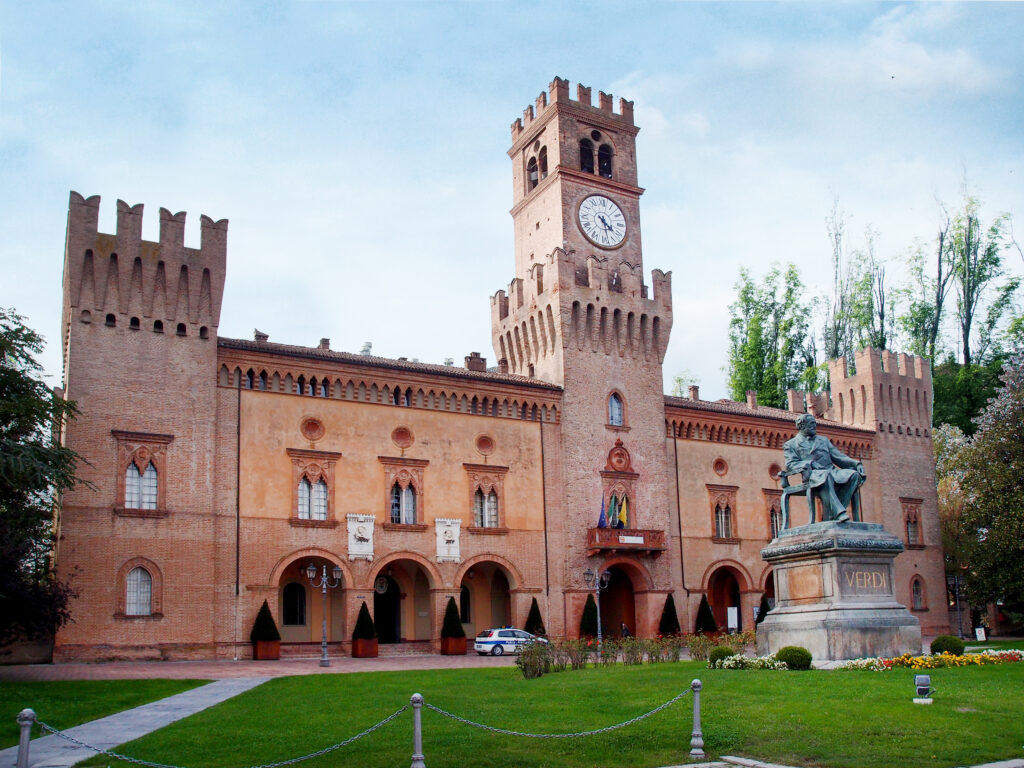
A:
(108, 732)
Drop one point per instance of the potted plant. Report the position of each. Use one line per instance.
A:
(453, 636)
(364, 636)
(265, 639)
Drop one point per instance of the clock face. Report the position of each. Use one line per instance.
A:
(602, 221)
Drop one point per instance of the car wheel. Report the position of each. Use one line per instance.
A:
(497, 650)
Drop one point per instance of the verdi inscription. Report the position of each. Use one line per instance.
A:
(861, 579)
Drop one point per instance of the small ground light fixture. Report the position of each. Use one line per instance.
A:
(923, 685)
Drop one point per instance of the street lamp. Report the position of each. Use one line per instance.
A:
(324, 583)
(597, 583)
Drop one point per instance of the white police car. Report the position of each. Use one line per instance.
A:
(503, 640)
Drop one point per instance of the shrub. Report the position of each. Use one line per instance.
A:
(534, 660)
(559, 657)
(795, 657)
(654, 649)
(452, 626)
(719, 653)
(588, 620)
(671, 646)
(608, 653)
(705, 619)
(264, 629)
(577, 652)
(632, 650)
(948, 644)
(364, 629)
(738, 641)
(743, 662)
(534, 624)
(700, 646)
(669, 624)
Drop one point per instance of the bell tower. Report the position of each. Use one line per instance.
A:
(578, 314)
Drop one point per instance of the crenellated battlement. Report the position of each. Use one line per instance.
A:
(558, 93)
(122, 279)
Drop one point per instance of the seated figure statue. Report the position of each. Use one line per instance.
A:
(827, 472)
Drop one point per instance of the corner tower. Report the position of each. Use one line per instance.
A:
(578, 314)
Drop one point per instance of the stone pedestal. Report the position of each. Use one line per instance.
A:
(834, 593)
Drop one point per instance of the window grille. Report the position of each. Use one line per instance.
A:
(132, 487)
(723, 521)
(319, 511)
(403, 504)
(305, 491)
(139, 592)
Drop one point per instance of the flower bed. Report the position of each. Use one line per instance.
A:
(745, 662)
(935, 661)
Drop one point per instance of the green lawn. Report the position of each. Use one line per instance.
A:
(995, 645)
(66, 703)
(801, 718)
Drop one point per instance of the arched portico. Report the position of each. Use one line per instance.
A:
(727, 586)
(302, 607)
(403, 586)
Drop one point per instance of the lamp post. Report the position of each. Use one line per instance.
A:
(597, 583)
(324, 583)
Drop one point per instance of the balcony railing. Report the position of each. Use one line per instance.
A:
(643, 542)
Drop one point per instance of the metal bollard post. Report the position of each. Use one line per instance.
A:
(26, 719)
(417, 732)
(696, 738)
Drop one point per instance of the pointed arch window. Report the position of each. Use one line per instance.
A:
(543, 162)
(138, 592)
(313, 474)
(486, 483)
(532, 173)
(140, 487)
(142, 481)
(917, 601)
(403, 504)
(312, 500)
(485, 509)
(586, 155)
(615, 410)
(604, 161)
(723, 521)
(912, 522)
(723, 511)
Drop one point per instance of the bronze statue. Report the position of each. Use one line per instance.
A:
(827, 473)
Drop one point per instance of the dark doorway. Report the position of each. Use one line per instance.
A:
(387, 616)
(618, 605)
(724, 593)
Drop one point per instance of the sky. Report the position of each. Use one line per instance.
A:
(359, 148)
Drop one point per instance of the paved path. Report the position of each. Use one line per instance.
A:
(108, 732)
(220, 670)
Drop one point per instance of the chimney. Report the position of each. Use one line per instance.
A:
(476, 363)
(503, 365)
(795, 400)
(752, 399)
(259, 335)
(325, 344)
(694, 392)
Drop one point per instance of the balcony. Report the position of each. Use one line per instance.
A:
(644, 543)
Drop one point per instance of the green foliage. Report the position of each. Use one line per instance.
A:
(588, 619)
(705, 619)
(534, 624)
(718, 653)
(699, 645)
(768, 336)
(535, 659)
(34, 471)
(264, 629)
(962, 391)
(762, 609)
(669, 623)
(452, 625)
(364, 628)
(991, 475)
(795, 657)
(948, 644)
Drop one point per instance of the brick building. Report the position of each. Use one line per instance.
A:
(220, 468)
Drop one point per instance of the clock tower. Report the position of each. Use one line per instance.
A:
(579, 314)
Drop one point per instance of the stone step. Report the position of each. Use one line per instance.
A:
(409, 648)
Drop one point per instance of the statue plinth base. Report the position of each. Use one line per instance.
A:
(834, 594)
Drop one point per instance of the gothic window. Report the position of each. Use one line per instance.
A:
(142, 482)
(543, 163)
(775, 520)
(615, 414)
(398, 397)
(532, 174)
(312, 500)
(723, 521)
(485, 509)
(324, 391)
(917, 594)
(403, 504)
(263, 381)
(465, 607)
(138, 592)
(486, 484)
(912, 522)
(300, 385)
(250, 379)
(604, 161)
(586, 155)
(293, 602)
(313, 475)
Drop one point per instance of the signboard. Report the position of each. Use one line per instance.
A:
(979, 633)
(732, 617)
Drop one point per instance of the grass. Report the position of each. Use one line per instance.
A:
(838, 719)
(995, 645)
(67, 703)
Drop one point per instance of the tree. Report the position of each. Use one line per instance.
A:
(534, 624)
(34, 470)
(588, 619)
(452, 624)
(948, 442)
(669, 624)
(962, 391)
(926, 296)
(705, 618)
(682, 381)
(992, 467)
(769, 349)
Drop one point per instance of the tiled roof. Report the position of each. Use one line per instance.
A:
(742, 409)
(371, 361)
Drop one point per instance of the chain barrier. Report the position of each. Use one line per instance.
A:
(578, 734)
(292, 761)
